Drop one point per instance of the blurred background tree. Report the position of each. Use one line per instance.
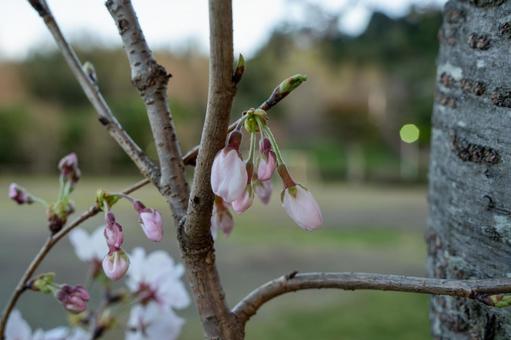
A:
(361, 90)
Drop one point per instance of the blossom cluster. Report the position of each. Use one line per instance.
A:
(153, 280)
(235, 182)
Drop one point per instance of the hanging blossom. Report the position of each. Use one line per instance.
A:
(18, 328)
(153, 322)
(156, 278)
(221, 218)
(228, 173)
(297, 201)
(263, 190)
(150, 221)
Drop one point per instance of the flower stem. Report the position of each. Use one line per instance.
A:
(274, 145)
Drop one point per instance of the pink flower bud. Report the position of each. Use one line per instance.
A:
(245, 201)
(150, 221)
(116, 264)
(73, 298)
(68, 167)
(268, 161)
(229, 173)
(113, 233)
(263, 190)
(301, 206)
(221, 217)
(19, 195)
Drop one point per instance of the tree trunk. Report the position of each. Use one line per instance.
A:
(469, 232)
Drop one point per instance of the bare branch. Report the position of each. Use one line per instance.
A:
(194, 234)
(45, 249)
(220, 96)
(151, 78)
(472, 289)
(106, 117)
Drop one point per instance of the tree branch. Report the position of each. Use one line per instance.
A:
(45, 249)
(194, 234)
(276, 96)
(472, 289)
(151, 78)
(106, 117)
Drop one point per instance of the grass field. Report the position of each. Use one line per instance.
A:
(377, 229)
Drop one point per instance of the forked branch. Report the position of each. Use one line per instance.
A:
(91, 90)
(472, 289)
(151, 78)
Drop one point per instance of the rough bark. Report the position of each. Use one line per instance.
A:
(194, 234)
(469, 233)
(151, 79)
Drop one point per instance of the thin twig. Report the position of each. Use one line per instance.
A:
(151, 79)
(91, 90)
(45, 249)
(472, 289)
(276, 96)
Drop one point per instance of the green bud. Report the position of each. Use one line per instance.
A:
(292, 83)
(239, 70)
(102, 198)
(89, 69)
(44, 283)
(251, 125)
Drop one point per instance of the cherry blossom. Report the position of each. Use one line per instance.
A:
(153, 322)
(156, 278)
(19, 329)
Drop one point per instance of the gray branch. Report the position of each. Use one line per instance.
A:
(106, 117)
(472, 289)
(151, 79)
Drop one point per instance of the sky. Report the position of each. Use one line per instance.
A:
(176, 24)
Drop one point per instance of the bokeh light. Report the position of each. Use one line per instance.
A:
(409, 133)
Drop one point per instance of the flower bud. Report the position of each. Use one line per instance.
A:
(19, 195)
(263, 190)
(221, 218)
(44, 283)
(113, 233)
(55, 220)
(301, 206)
(116, 264)
(229, 173)
(150, 221)
(268, 161)
(239, 70)
(68, 167)
(73, 298)
(245, 201)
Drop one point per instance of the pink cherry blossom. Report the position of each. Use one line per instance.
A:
(221, 218)
(263, 190)
(155, 277)
(301, 206)
(19, 195)
(113, 233)
(153, 321)
(73, 298)
(150, 221)
(228, 173)
(19, 329)
(116, 264)
(245, 201)
(68, 167)
(268, 161)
